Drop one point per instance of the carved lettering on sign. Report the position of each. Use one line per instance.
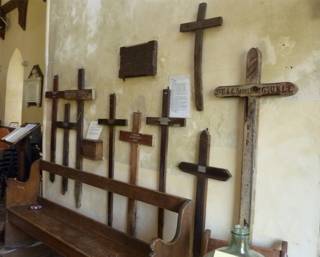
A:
(272, 89)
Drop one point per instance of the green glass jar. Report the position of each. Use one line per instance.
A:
(239, 245)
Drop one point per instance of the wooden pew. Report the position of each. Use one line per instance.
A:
(73, 235)
(213, 244)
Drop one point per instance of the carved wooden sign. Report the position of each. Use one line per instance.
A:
(198, 27)
(85, 94)
(21, 5)
(139, 60)
(257, 90)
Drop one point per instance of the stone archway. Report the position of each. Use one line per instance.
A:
(14, 89)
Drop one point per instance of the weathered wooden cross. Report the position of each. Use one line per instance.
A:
(135, 139)
(164, 122)
(251, 92)
(203, 172)
(112, 122)
(79, 96)
(198, 27)
(21, 5)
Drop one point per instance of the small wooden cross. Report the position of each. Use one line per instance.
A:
(203, 172)
(164, 122)
(198, 27)
(251, 91)
(66, 125)
(112, 122)
(135, 139)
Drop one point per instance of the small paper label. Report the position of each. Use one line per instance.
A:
(94, 131)
(180, 96)
(222, 254)
(202, 169)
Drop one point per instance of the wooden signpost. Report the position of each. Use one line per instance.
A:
(164, 122)
(251, 91)
(203, 172)
(198, 27)
(135, 139)
(112, 122)
(80, 95)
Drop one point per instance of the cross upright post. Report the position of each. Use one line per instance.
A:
(203, 172)
(251, 91)
(198, 27)
(135, 138)
(164, 122)
(112, 122)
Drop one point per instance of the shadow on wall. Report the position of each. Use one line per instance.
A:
(14, 89)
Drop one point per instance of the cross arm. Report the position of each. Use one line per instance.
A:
(257, 90)
(136, 138)
(113, 122)
(83, 94)
(176, 122)
(66, 125)
(205, 171)
(202, 24)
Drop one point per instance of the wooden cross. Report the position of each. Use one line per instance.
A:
(164, 122)
(21, 5)
(135, 139)
(112, 122)
(203, 172)
(79, 96)
(198, 27)
(251, 91)
(66, 125)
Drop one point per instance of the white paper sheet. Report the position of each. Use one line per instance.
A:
(94, 131)
(222, 254)
(180, 96)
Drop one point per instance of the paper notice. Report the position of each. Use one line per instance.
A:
(94, 131)
(180, 96)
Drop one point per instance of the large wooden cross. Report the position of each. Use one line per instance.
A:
(164, 122)
(135, 139)
(21, 5)
(198, 27)
(80, 95)
(203, 172)
(251, 91)
(112, 122)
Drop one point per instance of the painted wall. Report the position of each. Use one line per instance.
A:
(89, 34)
(31, 44)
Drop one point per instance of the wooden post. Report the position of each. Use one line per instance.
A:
(203, 172)
(111, 123)
(198, 27)
(251, 91)
(65, 161)
(135, 139)
(164, 122)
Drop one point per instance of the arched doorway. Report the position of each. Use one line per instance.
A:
(14, 89)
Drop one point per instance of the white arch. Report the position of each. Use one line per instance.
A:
(14, 89)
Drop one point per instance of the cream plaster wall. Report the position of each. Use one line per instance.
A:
(89, 34)
(31, 44)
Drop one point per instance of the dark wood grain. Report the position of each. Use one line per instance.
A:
(138, 60)
(79, 138)
(92, 149)
(72, 234)
(251, 91)
(77, 95)
(164, 122)
(65, 154)
(135, 138)
(54, 113)
(202, 171)
(198, 27)
(111, 122)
